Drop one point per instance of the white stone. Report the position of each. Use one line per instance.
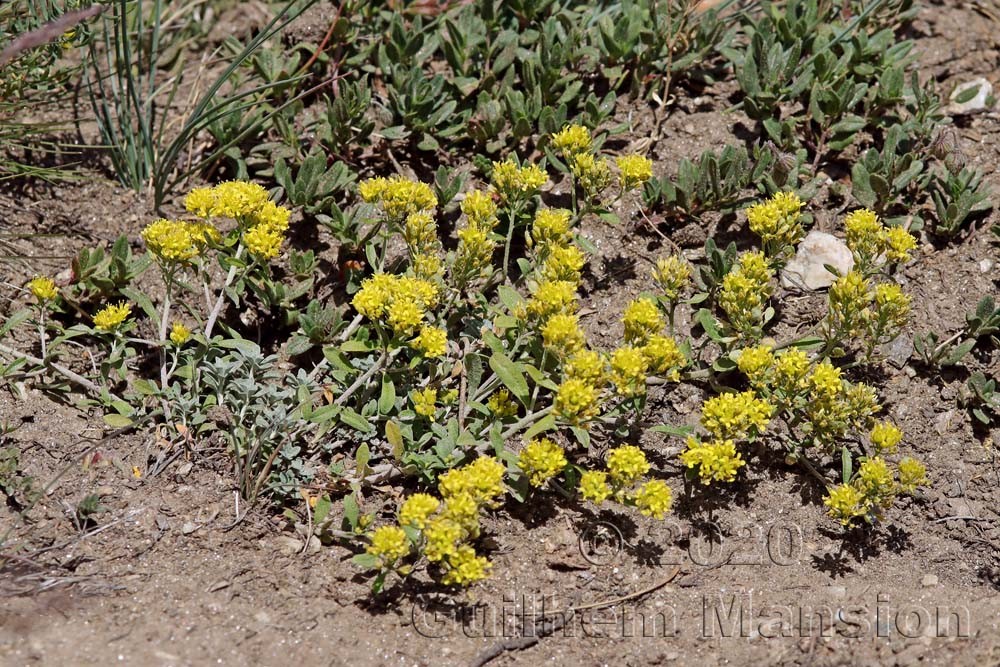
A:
(807, 270)
(977, 103)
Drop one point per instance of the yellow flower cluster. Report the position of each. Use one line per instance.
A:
(659, 354)
(873, 489)
(868, 238)
(501, 405)
(849, 299)
(179, 334)
(856, 310)
(399, 197)
(641, 319)
(550, 228)
(572, 140)
(43, 289)
(514, 182)
(541, 460)
(629, 367)
(714, 460)
(885, 437)
(756, 363)
(112, 316)
(402, 301)
(626, 466)
(577, 401)
(389, 544)
(562, 335)
(432, 342)
(672, 274)
(232, 199)
(474, 256)
(744, 294)
(736, 415)
(592, 173)
(417, 509)
(425, 402)
(777, 221)
(633, 171)
(177, 240)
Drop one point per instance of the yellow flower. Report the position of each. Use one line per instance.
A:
(790, 368)
(420, 231)
(716, 460)
(849, 298)
(664, 356)
(875, 479)
(541, 460)
(577, 401)
(515, 182)
(398, 196)
(432, 342)
(864, 233)
(262, 241)
(238, 199)
(593, 174)
(899, 243)
(417, 509)
(626, 464)
(43, 288)
(744, 294)
(572, 139)
(424, 402)
(463, 509)
(389, 544)
(628, 371)
(844, 503)
(654, 499)
(634, 171)
(441, 535)
(777, 222)
(563, 263)
(111, 316)
(501, 405)
(480, 208)
(551, 298)
(825, 382)
(482, 480)
(171, 241)
(736, 415)
(562, 335)
(912, 474)
(594, 486)
(586, 365)
(179, 333)
(475, 251)
(273, 217)
(886, 436)
(756, 363)
(404, 316)
(465, 567)
(550, 227)
(427, 266)
(200, 201)
(892, 308)
(862, 403)
(642, 320)
(672, 273)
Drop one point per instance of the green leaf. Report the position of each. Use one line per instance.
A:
(351, 511)
(366, 561)
(546, 423)
(846, 464)
(675, 431)
(387, 399)
(14, 320)
(707, 321)
(361, 459)
(322, 509)
(511, 374)
(394, 436)
(117, 421)
(355, 421)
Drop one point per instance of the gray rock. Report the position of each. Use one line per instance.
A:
(929, 580)
(898, 351)
(807, 270)
(977, 103)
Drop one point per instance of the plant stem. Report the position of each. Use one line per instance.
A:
(164, 319)
(41, 330)
(367, 375)
(510, 236)
(62, 370)
(230, 277)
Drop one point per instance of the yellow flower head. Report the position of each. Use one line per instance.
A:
(654, 499)
(875, 479)
(790, 368)
(201, 202)
(172, 241)
(482, 480)
(179, 334)
(550, 227)
(572, 139)
(398, 196)
(424, 402)
(515, 182)
(432, 342)
(626, 465)
(756, 364)
(593, 174)
(465, 567)
(825, 382)
(389, 544)
(475, 251)
(892, 307)
(577, 401)
(777, 222)
(899, 243)
(541, 460)
(263, 241)
(552, 298)
(594, 486)
(886, 436)
(43, 289)
(417, 509)
(480, 208)
(563, 263)
(111, 316)
(634, 170)
(629, 367)
(501, 405)
(912, 473)
(562, 335)
(664, 357)
(238, 199)
(420, 231)
(715, 460)
(736, 415)
(641, 319)
(586, 365)
(845, 503)
(864, 233)
(672, 273)
(849, 299)
(441, 535)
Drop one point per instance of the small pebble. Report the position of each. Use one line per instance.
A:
(929, 580)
